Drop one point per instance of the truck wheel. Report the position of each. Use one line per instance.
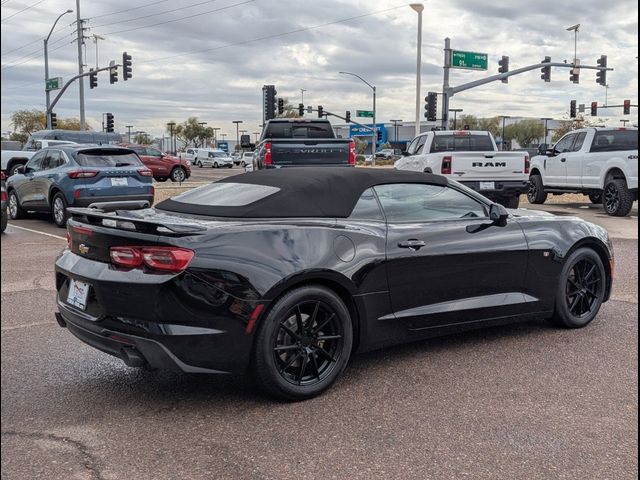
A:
(15, 209)
(596, 198)
(536, 193)
(14, 168)
(618, 200)
(510, 202)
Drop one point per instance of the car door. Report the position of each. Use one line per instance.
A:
(556, 165)
(575, 162)
(446, 262)
(24, 186)
(159, 165)
(45, 177)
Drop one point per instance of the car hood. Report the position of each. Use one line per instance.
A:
(525, 212)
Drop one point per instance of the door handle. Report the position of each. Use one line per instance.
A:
(563, 159)
(412, 244)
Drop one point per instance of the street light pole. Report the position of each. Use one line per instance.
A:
(95, 39)
(455, 116)
(237, 122)
(129, 127)
(395, 130)
(46, 66)
(171, 125)
(504, 117)
(418, 7)
(624, 122)
(202, 124)
(215, 137)
(574, 28)
(374, 130)
(302, 90)
(257, 134)
(546, 130)
(80, 31)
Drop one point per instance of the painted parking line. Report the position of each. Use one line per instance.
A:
(38, 231)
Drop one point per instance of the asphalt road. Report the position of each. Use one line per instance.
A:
(524, 401)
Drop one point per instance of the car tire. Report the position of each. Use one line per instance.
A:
(178, 174)
(596, 198)
(510, 202)
(215, 165)
(581, 289)
(59, 210)
(162, 179)
(230, 165)
(536, 193)
(199, 164)
(243, 164)
(15, 209)
(303, 344)
(617, 199)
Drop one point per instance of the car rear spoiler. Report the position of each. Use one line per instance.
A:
(111, 215)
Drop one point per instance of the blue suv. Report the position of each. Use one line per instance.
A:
(76, 176)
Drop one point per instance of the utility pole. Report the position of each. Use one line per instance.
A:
(418, 8)
(129, 127)
(80, 31)
(95, 40)
(445, 83)
(302, 90)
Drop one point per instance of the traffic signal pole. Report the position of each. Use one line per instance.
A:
(73, 79)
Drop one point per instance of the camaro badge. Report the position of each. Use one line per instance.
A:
(83, 249)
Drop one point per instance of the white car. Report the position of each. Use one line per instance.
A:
(210, 157)
(599, 162)
(245, 159)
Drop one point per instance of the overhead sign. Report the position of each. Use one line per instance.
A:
(364, 113)
(53, 83)
(469, 60)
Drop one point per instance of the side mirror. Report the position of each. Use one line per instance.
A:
(498, 214)
(405, 153)
(20, 169)
(551, 152)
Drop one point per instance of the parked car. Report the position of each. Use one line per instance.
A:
(5, 216)
(189, 155)
(385, 153)
(162, 165)
(78, 175)
(12, 159)
(212, 157)
(472, 158)
(286, 273)
(599, 162)
(245, 159)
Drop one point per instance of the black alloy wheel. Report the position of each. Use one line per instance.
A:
(303, 344)
(581, 289)
(595, 198)
(618, 200)
(536, 193)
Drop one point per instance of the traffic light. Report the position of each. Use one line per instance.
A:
(280, 106)
(127, 71)
(575, 72)
(269, 94)
(109, 122)
(594, 109)
(54, 120)
(113, 73)
(431, 106)
(320, 111)
(301, 109)
(626, 107)
(546, 71)
(347, 116)
(601, 75)
(504, 67)
(572, 109)
(93, 79)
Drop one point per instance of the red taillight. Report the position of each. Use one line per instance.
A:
(446, 165)
(4, 196)
(145, 172)
(527, 164)
(82, 173)
(163, 259)
(82, 230)
(76, 194)
(69, 240)
(268, 160)
(352, 152)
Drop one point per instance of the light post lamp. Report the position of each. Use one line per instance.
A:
(374, 135)
(395, 130)
(46, 66)
(455, 116)
(215, 137)
(302, 90)
(129, 127)
(202, 124)
(418, 7)
(95, 40)
(256, 134)
(624, 122)
(172, 142)
(546, 130)
(574, 29)
(237, 122)
(504, 117)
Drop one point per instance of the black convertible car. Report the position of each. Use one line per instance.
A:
(287, 273)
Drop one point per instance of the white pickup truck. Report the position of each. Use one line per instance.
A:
(12, 159)
(597, 161)
(472, 158)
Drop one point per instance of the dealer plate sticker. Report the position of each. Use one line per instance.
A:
(119, 181)
(78, 294)
(487, 185)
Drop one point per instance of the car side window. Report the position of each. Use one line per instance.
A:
(579, 141)
(35, 164)
(421, 141)
(423, 203)
(411, 149)
(152, 152)
(367, 207)
(565, 143)
(52, 160)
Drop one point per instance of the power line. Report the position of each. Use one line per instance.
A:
(39, 52)
(20, 11)
(276, 35)
(155, 14)
(128, 9)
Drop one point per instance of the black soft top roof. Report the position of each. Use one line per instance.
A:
(305, 191)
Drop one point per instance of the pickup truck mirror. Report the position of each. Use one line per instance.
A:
(20, 169)
(551, 152)
(405, 153)
(498, 214)
(542, 149)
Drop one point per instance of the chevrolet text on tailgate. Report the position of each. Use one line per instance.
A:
(472, 158)
(298, 143)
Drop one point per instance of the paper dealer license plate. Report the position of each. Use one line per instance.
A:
(78, 294)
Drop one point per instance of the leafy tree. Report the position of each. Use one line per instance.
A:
(568, 124)
(28, 121)
(142, 138)
(524, 132)
(361, 145)
(462, 120)
(290, 111)
(491, 125)
(191, 133)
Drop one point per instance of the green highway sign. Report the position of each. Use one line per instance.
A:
(469, 60)
(53, 83)
(364, 113)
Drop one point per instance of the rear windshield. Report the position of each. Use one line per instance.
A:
(615, 140)
(461, 143)
(107, 158)
(226, 194)
(301, 130)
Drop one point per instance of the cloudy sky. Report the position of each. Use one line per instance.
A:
(209, 59)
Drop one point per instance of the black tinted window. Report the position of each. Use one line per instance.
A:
(564, 144)
(303, 130)
(461, 143)
(226, 194)
(423, 203)
(367, 207)
(35, 164)
(614, 140)
(107, 158)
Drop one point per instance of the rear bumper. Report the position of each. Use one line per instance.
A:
(502, 189)
(86, 201)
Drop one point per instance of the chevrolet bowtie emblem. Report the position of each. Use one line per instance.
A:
(83, 249)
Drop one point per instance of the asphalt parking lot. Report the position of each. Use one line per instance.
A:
(524, 401)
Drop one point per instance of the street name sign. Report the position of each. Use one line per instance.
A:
(469, 60)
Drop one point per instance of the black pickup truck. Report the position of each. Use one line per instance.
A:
(299, 143)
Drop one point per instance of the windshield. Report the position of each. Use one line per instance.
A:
(107, 158)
